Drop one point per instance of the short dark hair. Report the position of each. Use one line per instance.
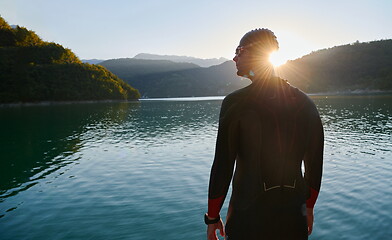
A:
(261, 40)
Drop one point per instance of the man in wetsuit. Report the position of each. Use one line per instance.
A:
(266, 130)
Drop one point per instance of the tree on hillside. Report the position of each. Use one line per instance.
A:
(35, 70)
(25, 37)
(7, 37)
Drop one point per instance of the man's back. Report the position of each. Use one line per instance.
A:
(266, 131)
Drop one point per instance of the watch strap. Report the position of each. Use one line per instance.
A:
(208, 221)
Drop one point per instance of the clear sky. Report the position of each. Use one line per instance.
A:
(201, 28)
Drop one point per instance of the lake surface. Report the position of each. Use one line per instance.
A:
(141, 170)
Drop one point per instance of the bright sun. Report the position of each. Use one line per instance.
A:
(277, 59)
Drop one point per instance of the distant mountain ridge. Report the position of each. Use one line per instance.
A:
(198, 61)
(131, 67)
(174, 58)
(93, 61)
(164, 78)
(218, 80)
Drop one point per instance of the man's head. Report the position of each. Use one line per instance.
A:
(252, 54)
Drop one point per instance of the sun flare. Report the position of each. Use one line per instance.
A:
(277, 59)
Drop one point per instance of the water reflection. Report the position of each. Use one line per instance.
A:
(164, 122)
(39, 140)
(370, 114)
(355, 191)
(112, 163)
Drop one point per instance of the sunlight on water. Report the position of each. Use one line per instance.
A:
(140, 170)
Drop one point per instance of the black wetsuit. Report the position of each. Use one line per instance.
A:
(266, 131)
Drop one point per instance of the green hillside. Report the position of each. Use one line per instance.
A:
(358, 67)
(34, 70)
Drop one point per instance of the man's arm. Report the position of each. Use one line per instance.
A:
(225, 154)
(223, 165)
(313, 161)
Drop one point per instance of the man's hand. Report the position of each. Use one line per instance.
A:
(310, 216)
(211, 230)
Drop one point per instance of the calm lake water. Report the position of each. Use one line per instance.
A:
(141, 170)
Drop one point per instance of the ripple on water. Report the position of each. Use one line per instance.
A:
(115, 163)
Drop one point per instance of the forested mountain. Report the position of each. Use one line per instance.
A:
(162, 78)
(198, 61)
(133, 68)
(34, 70)
(357, 67)
(213, 81)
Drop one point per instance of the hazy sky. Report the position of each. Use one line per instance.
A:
(200, 28)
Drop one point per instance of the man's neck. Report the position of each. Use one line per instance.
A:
(263, 74)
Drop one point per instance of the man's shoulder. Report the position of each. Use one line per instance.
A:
(237, 95)
(302, 99)
(234, 98)
(297, 93)
(306, 102)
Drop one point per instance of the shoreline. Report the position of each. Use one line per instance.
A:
(54, 103)
(356, 93)
(353, 93)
